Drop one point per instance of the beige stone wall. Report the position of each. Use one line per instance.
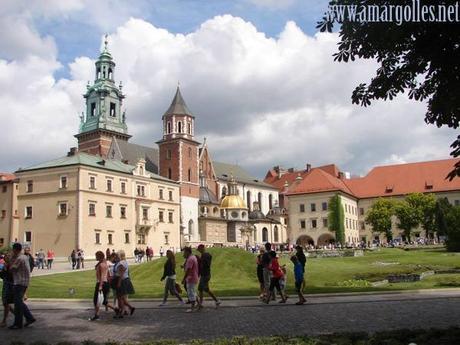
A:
(213, 230)
(8, 213)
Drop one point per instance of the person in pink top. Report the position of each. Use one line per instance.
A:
(49, 259)
(190, 276)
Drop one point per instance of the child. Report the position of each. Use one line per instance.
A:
(298, 274)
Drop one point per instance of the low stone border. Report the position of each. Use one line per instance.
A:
(334, 253)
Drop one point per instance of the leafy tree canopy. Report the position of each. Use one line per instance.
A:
(336, 218)
(379, 216)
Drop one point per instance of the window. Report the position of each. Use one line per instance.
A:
(29, 212)
(325, 223)
(168, 154)
(30, 186)
(141, 239)
(179, 127)
(141, 170)
(112, 110)
(363, 226)
(4, 189)
(302, 224)
(324, 206)
(264, 235)
(109, 185)
(248, 200)
(313, 207)
(161, 194)
(145, 213)
(275, 234)
(93, 109)
(123, 187)
(314, 223)
(97, 238)
(170, 173)
(168, 127)
(166, 239)
(224, 191)
(189, 128)
(122, 211)
(28, 236)
(63, 183)
(3, 213)
(126, 237)
(170, 217)
(361, 211)
(140, 190)
(189, 175)
(270, 201)
(108, 211)
(63, 209)
(160, 216)
(92, 182)
(302, 208)
(110, 238)
(92, 209)
(170, 195)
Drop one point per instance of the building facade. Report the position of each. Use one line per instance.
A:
(9, 219)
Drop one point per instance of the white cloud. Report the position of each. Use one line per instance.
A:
(260, 101)
(273, 4)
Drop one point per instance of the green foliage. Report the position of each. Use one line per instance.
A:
(453, 229)
(408, 217)
(422, 60)
(336, 218)
(379, 216)
(441, 209)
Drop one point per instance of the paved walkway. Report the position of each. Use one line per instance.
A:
(67, 320)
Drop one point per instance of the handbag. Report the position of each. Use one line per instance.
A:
(100, 299)
(178, 288)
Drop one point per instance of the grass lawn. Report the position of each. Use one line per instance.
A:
(234, 274)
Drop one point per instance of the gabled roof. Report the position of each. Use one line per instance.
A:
(133, 152)
(318, 180)
(7, 177)
(178, 106)
(401, 179)
(224, 171)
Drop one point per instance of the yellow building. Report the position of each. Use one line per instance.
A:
(8, 209)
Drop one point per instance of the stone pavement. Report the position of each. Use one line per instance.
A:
(67, 320)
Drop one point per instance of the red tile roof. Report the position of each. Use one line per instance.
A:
(279, 182)
(6, 177)
(407, 178)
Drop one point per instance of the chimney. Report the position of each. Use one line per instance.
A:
(291, 170)
(298, 178)
(308, 167)
(280, 171)
(72, 151)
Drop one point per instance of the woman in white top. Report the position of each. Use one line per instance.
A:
(124, 286)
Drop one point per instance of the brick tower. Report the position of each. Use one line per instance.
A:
(104, 119)
(178, 161)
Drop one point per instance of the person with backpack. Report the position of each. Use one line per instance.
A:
(205, 276)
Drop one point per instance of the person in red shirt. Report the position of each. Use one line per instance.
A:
(276, 275)
(49, 259)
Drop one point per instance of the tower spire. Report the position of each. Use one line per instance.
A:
(106, 42)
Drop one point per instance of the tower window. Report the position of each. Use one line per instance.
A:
(179, 127)
(110, 73)
(189, 175)
(168, 127)
(103, 72)
(98, 73)
(189, 128)
(169, 173)
(93, 109)
(112, 109)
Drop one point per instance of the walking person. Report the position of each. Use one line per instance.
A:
(302, 260)
(161, 251)
(299, 279)
(41, 259)
(260, 273)
(205, 276)
(190, 277)
(73, 258)
(20, 270)
(266, 259)
(102, 285)
(82, 258)
(276, 275)
(169, 273)
(124, 286)
(7, 291)
(49, 259)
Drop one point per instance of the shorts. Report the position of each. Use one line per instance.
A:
(105, 291)
(191, 293)
(203, 285)
(7, 293)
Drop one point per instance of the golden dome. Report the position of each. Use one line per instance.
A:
(233, 201)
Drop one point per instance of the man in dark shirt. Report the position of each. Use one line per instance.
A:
(205, 276)
(266, 259)
(302, 260)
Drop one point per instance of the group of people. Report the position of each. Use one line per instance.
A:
(77, 259)
(44, 260)
(272, 276)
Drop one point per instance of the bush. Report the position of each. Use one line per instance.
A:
(453, 229)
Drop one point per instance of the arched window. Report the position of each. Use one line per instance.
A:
(189, 128)
(189, 175)
(248, 200)
(168, 127)
(103, 72)
(224, 191)
(190, 227)
(270, 201)
(259, 199)
(264, 235)
(110, 73)
(275, 234)
(179, 127)
(170, 173)
(98, 73)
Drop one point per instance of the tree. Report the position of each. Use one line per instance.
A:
(453, 229)
(424, 205)
(422, 58)
(408, 217)
(379, 217)
(336, 218)
(442, 208)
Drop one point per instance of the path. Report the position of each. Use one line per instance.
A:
(67, 320)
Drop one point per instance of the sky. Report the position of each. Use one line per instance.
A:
(259, 78)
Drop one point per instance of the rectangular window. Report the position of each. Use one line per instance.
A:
(363, 226)
(63, 183)
(123, 187)
(112, 110)
(29, 212)
(28, 236)
(93, 109)
(109, 186)
(170, 217)
(108, 211)
(110, 238)
(3, 213)
(4, 189)
(126, 237)
(122, 211)
(30, 186)
(170, 195)
(98, 238)
(361, 211)
(140, 190)
(302, 208)
(314, 223)
(161, 194)
(313, 207)
(63, 209)
(302, 224)
(145, 213)
(324, 206)
(325, 223)
(140, 239)
(166, 239)
(92, 182)
(160, 216)
(92, 209)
